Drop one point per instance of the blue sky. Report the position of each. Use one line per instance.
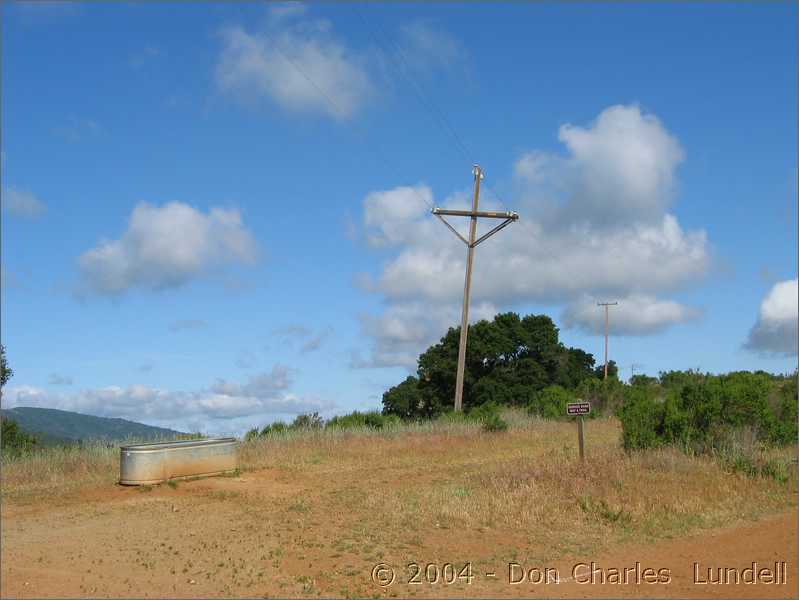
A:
(215, 215)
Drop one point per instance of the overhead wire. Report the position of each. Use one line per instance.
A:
(338, 109)
(439, 116)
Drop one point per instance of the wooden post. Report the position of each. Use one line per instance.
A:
(606, 304)
(466, 288)
(580, 437)
(471, 243)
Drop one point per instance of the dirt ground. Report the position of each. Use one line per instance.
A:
(270, 533)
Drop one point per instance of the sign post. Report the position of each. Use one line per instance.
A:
(578, 409)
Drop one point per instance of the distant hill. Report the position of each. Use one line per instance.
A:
(53, 426)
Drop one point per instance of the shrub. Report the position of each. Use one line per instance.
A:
(550, 403)
(488, 415)
(274, 428)
(251, 434)
(308, 421)
(702, 412)
(641, 416)
(15, 441)
(494, 423)
(359, 420)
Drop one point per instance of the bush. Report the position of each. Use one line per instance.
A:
(550, 403)
(359, 420)
(488, 415)
(14, 440)
(308, 421)
(494, 423)
(641, 417)
(275, 428)
(701, 412)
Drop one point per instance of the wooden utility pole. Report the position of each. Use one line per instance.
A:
(606, 304)
(474, 214)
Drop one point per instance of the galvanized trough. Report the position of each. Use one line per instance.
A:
(144, 464)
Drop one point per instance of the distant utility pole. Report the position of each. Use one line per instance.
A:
(606, 304)
(633, 367)
(474, 214)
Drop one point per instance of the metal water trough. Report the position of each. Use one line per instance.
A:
(145, 464)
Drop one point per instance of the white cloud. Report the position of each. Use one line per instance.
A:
(777, 326)
(301, 66)
(406, 328)
(22, 203)
(426, 48)
(593, 222)
(166, 246)
(635, 315)
(225, 406)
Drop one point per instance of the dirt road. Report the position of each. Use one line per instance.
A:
(268, 533)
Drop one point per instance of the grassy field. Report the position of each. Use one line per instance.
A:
(312, 511)
(528, 476)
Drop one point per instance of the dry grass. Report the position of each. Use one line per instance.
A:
(329, 505)
(434, 475)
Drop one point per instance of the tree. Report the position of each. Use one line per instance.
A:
(613, 370)
(508, 360)
(5, 370)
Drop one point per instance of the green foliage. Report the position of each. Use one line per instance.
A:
(700, 413)
(5, 370)
(405, 400)
(613, 371)
(605, 395)
(277, 427)
(508, 361)
(308, 421)
(494, 423)
(13, 440)
(251, 434)
(358, 420)
(643, 380)
(550, 402)
(489, 417)
(641, 416)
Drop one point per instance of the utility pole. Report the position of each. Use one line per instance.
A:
(471, 243)
(606, 304)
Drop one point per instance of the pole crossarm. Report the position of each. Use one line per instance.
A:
(488, 214)
(509, 217)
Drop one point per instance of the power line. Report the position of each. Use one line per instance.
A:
(337, 108)
(439, 116)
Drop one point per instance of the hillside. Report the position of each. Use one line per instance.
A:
(55, 426)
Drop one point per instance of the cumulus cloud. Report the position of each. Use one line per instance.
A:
(635, 315)
(775, 331)
(224, 406)
(300, 65)
(594, 222)
(405, 328)
(22, 203)
(165, 247)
